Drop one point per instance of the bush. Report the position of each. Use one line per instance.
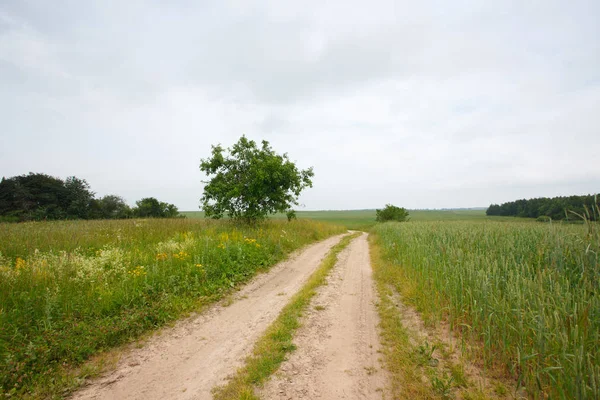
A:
(391, 213)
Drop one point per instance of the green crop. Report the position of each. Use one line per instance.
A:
(527, 294)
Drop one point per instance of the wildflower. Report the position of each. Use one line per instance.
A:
(199, 265)
(161, 256)
(221, 246)
(182, 255)
(137, 271)
(20, 264)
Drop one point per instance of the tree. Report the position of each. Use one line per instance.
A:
(249, 182)
(33, 197)
(78, 198)
(150, 207)
(113, 207)
(391, 213)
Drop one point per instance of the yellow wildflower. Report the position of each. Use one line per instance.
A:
(182, 255)
(20, 264)
(161, 256)
(137, 271)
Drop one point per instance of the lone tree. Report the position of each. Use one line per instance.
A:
(391, 213)
(249, 182)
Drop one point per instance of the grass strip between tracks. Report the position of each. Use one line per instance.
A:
(271, 349)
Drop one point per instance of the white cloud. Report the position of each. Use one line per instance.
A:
(426, 105)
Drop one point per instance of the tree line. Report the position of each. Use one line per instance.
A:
(38, 196)
(557, 208)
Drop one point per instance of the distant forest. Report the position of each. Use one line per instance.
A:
(557, 208)
(36, 197)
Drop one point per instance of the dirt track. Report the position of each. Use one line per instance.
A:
(187, 361)
(337, 346)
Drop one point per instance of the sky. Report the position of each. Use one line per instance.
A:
(429, 104)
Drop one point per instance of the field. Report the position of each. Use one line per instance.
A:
(525, 294)
(365, 219)
(69, 290)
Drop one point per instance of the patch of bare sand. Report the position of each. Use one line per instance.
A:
(337, 354)
(188, 360)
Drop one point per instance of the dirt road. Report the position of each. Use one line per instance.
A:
(337, 346)
(187, 361)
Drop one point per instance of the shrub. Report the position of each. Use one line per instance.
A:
(391, 213)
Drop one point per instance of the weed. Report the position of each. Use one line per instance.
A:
(370, 370)
(442, 385)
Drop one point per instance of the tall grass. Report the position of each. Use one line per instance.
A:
(527, 293)
(71, 289)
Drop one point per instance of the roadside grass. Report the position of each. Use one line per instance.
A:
(271, 349)
(522, 296)
(400, 356)
(71, 290)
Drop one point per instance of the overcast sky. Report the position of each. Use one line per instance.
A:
(424, 104)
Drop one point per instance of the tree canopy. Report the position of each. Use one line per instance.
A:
(151, 207)
(248, 182)
(38, 196)
(391, 213)
(556, 208)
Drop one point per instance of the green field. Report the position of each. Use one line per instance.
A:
(525, 294)
(365, 219)
(71, 289)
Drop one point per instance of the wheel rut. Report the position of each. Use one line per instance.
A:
(337, 354)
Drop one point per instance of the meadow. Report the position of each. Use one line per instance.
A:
(526, 295)
(72, 289)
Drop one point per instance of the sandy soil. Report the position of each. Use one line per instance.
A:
(337, 346)
(188, 360)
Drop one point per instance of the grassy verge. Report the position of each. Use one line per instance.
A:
(72, 290)
(523, 296)
(421, 363)
(405, 370)
(271, 349)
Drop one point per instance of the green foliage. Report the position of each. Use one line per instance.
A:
(69, 289)
(40, 196)
(150, 207)
(249, 182)
(78, 198)
(111, 207)
(37, 197)
(391, 213)
(557, 208)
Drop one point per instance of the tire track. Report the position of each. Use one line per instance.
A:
(338, 345)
